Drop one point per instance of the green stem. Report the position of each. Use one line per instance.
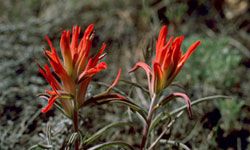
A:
(75, 124)
(148, 123)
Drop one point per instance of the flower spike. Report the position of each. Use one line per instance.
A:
(74, 71)
(167, 63)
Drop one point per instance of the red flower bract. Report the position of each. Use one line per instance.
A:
(167, 63)
(75, 71)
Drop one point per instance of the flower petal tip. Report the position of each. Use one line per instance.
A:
(115, 81)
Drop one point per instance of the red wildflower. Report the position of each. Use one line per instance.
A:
(75, 71)
(167, 63)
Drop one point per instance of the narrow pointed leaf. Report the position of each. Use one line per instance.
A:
(102, 131)
(41, 146)
(104, 99)
(73, 137)
(111, 144)
(163, 116)
(173, 95)
(136, 85)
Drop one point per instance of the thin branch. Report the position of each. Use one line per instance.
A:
(27, 123)
(178, 144)
(109, 144)
(148, 123)
(165, 131)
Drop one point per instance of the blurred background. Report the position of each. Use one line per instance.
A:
(221, 65)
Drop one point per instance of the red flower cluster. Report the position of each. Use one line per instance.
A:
(77, 68)
(167, 63)
(75, 71)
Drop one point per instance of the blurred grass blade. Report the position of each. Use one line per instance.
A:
(103, 131)
(73, 138)
(178, 144)
(48, 133)
(111, 144)
(42, 146)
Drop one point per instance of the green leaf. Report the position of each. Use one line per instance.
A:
(40, 146)
(73, 137)
(173, 95)
(111, 144)
(163, 116)
(133, 107)
(59, 107)
(97, 99)
(103, 131)
(195, 102)
(103, 99)
(136, 85)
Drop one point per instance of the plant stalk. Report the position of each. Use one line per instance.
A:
(75, 124)
(148, 123)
